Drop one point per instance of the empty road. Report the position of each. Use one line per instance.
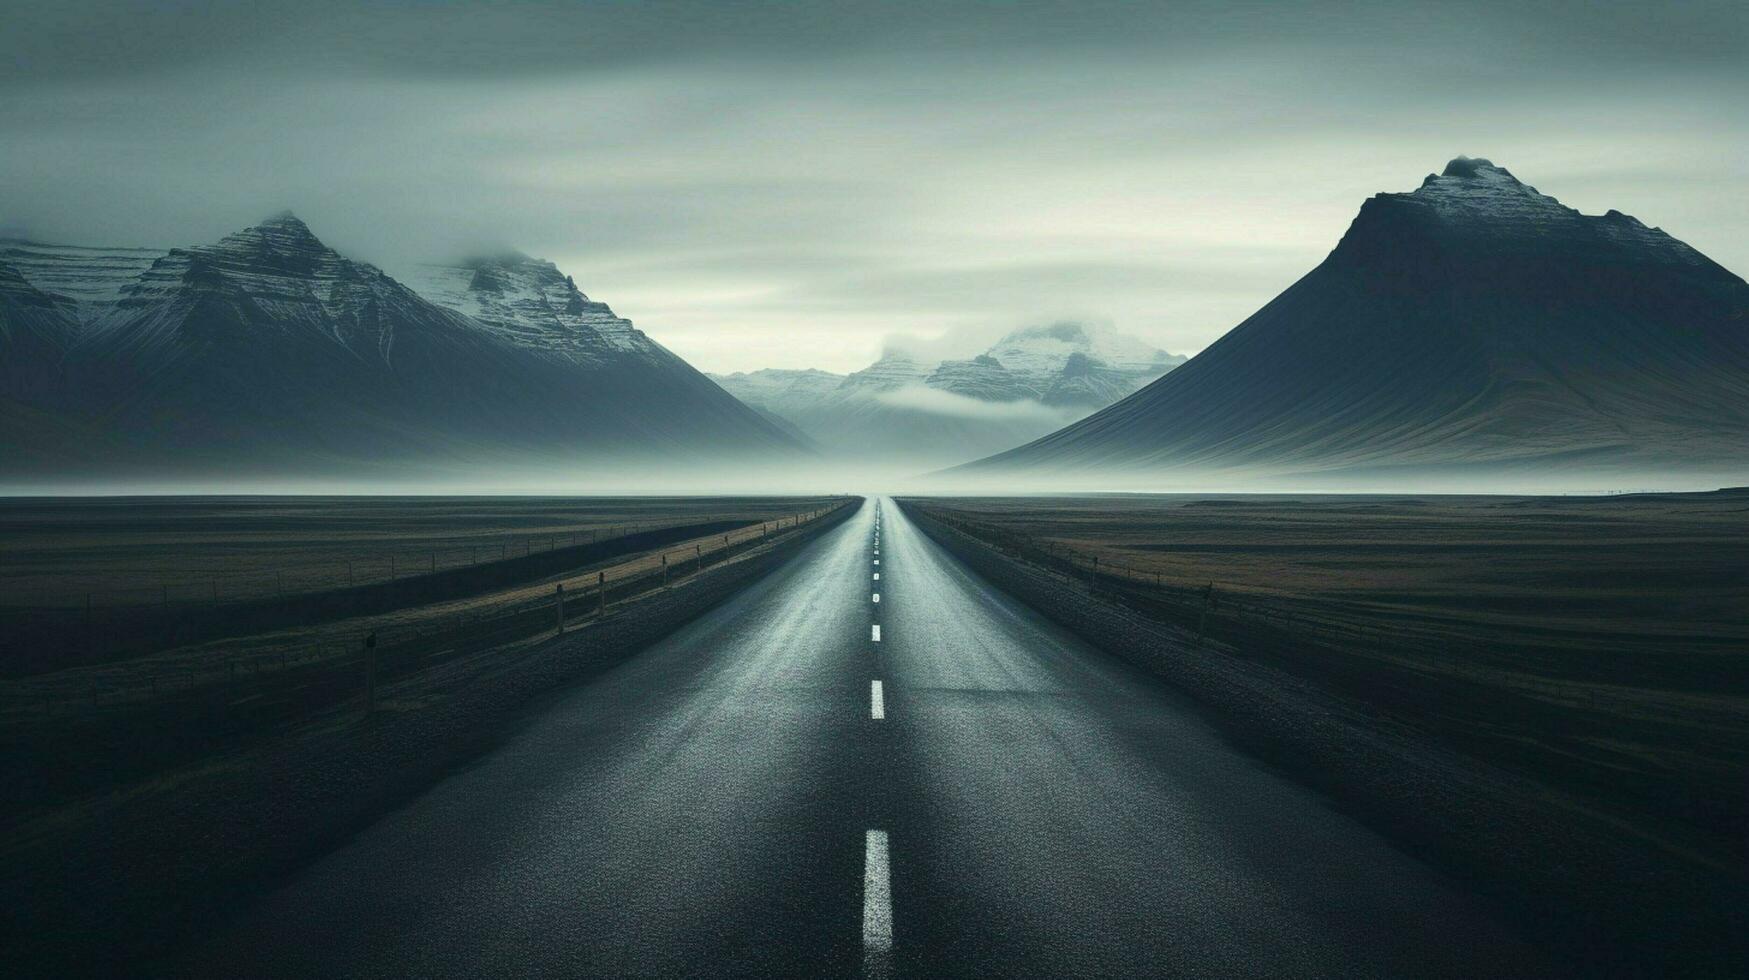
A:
(868, 764)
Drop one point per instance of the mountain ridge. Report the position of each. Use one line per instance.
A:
(268, 350)
(1482, 324)
(934, 413)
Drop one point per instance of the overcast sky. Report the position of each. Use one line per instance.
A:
(793, 184)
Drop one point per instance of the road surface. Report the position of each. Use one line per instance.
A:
(868, 764)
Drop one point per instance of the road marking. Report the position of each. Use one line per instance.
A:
(877, 701)
(877, 907)
(877, 561)
(877, 597)
(877, 632)
(877, 577)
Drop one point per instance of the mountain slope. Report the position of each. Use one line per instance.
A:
(1473, 325)
(533, 305)
(269, 353)
(920, 413)
(635, 391)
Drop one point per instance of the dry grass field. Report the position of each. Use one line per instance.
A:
(218, 676)
(1596, 644)
(113, 551)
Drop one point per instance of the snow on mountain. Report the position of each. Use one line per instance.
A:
(270, 351)
(1046, 350)
(276, 275)
(91, 278)
(785, 393)
(893, 371)
(937, 412)
(36, 328)
(1469, 328)
(532, 304)
(984, 378)
(1070, 365)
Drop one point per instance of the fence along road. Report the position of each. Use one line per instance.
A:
(731, 803)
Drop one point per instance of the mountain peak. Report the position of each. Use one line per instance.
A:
(1469, 182)
(1047, 348)
(1475, 167)
(1474, 327)
(1479, 206)
(282, 234)
(287, 227)
(535, 305)
(283, 218)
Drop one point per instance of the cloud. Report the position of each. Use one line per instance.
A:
(934, 401)
(796, 185)
(951, 343)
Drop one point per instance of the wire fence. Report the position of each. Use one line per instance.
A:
(292, 671)
(369, 565)
(1522, 702)
(1324, 628)
(36, 639)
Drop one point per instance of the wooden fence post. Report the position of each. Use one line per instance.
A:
(559, 604)
(664, 571)
(601, 592)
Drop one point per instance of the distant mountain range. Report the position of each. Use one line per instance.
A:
(1471, 328)
(940, 412)
(269, 353)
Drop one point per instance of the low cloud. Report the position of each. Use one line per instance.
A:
(934, 401)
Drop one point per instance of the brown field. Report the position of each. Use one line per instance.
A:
(69, 730)
(117, 551)
(1597, 644)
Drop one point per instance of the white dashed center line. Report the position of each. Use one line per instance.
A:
(877, 577)
(877, 701)
(877, 597)
(877, 632)
(877, 907)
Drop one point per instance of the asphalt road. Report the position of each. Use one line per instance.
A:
(743, 799)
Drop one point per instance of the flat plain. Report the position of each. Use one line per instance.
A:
(147, 685)
(110, 551)
(1598, 645)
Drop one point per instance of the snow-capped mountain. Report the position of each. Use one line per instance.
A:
(1474, 326)
(939, 412)
(270, 352)
(89, 280)
(1071, 365)
(533, 305)
(894, 370)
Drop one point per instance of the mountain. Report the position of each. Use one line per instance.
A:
(934, 413)
(268, 353)
(1472, 327)
(529, 303)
